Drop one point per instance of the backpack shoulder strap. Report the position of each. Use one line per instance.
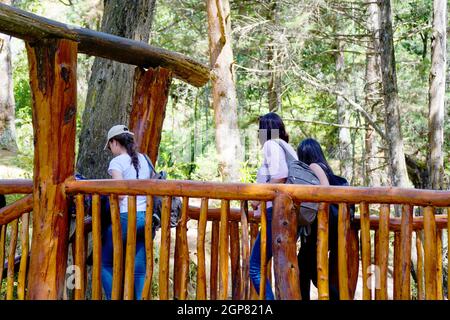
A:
(289, 157)
(152, 168)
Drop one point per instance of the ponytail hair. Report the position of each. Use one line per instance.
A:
(127, 141)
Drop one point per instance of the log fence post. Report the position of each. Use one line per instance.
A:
(53, 69)
(284, 248)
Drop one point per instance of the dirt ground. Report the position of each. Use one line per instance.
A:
(7, 168)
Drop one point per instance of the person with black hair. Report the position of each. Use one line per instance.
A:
(274, 169)
(127, 163)
(310, 152)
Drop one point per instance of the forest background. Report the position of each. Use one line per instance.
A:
(306, 60)
(319, 64)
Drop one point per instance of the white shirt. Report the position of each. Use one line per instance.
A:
(274, 164)
(123, 164)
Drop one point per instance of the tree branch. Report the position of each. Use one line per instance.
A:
(325, 123)
(315, 83)
(223, 38)
(67, 4)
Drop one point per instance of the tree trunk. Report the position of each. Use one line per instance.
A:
(109, 96)
(372, 92)
(437, 94)
(273, 60)
(7, 105)
(343, 113)
(397, 165)
(224, 91)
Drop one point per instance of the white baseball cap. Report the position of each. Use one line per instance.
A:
(115, 131)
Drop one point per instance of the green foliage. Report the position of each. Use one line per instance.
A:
(24, 126)
(304, 34)
(22, 92)
(207, 166)
(248, 172)
(29, 5)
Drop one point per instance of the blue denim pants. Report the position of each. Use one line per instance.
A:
(139, 262)
(255, 258)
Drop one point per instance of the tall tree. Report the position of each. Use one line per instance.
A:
(109, 97)
(437, 94)
(343, 112)
(7, 104)
(273, 58)
(372, 90)
(223, 88)
(397, 163)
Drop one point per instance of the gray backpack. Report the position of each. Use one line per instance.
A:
(175, 212)
(300, 173)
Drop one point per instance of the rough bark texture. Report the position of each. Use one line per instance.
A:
(53, 84)
(109, 96)
(343, 115)
(273, 60)
(7, 104)
(437, 94)
(151, 90)
(224, 91)
(287, 276)
(372, 92)
(397, 165)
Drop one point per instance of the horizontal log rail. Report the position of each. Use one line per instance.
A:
(16, 186)
(242, 191)
(32, 28)
(262, 192)
(16, 209)
(395, 224)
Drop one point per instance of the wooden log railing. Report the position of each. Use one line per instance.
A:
(427, 231)
(347, 243)
(233, 232)
(14, 242)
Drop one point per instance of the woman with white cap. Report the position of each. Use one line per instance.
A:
(127, 163)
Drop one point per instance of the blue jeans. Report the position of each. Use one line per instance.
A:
(255, 258)
(139, 262)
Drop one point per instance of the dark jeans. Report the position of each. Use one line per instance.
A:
(307, 260)
(140, 259)
(255, 258)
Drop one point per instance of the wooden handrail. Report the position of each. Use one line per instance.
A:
(263, 192)
(31, 28)
(396, 223)
(16, 209)
(242, 191)
(214, 214)
(16, 186)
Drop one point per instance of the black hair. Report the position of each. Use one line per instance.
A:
(309, 151)
(272, 121)
(2, 201)
(127, 141)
